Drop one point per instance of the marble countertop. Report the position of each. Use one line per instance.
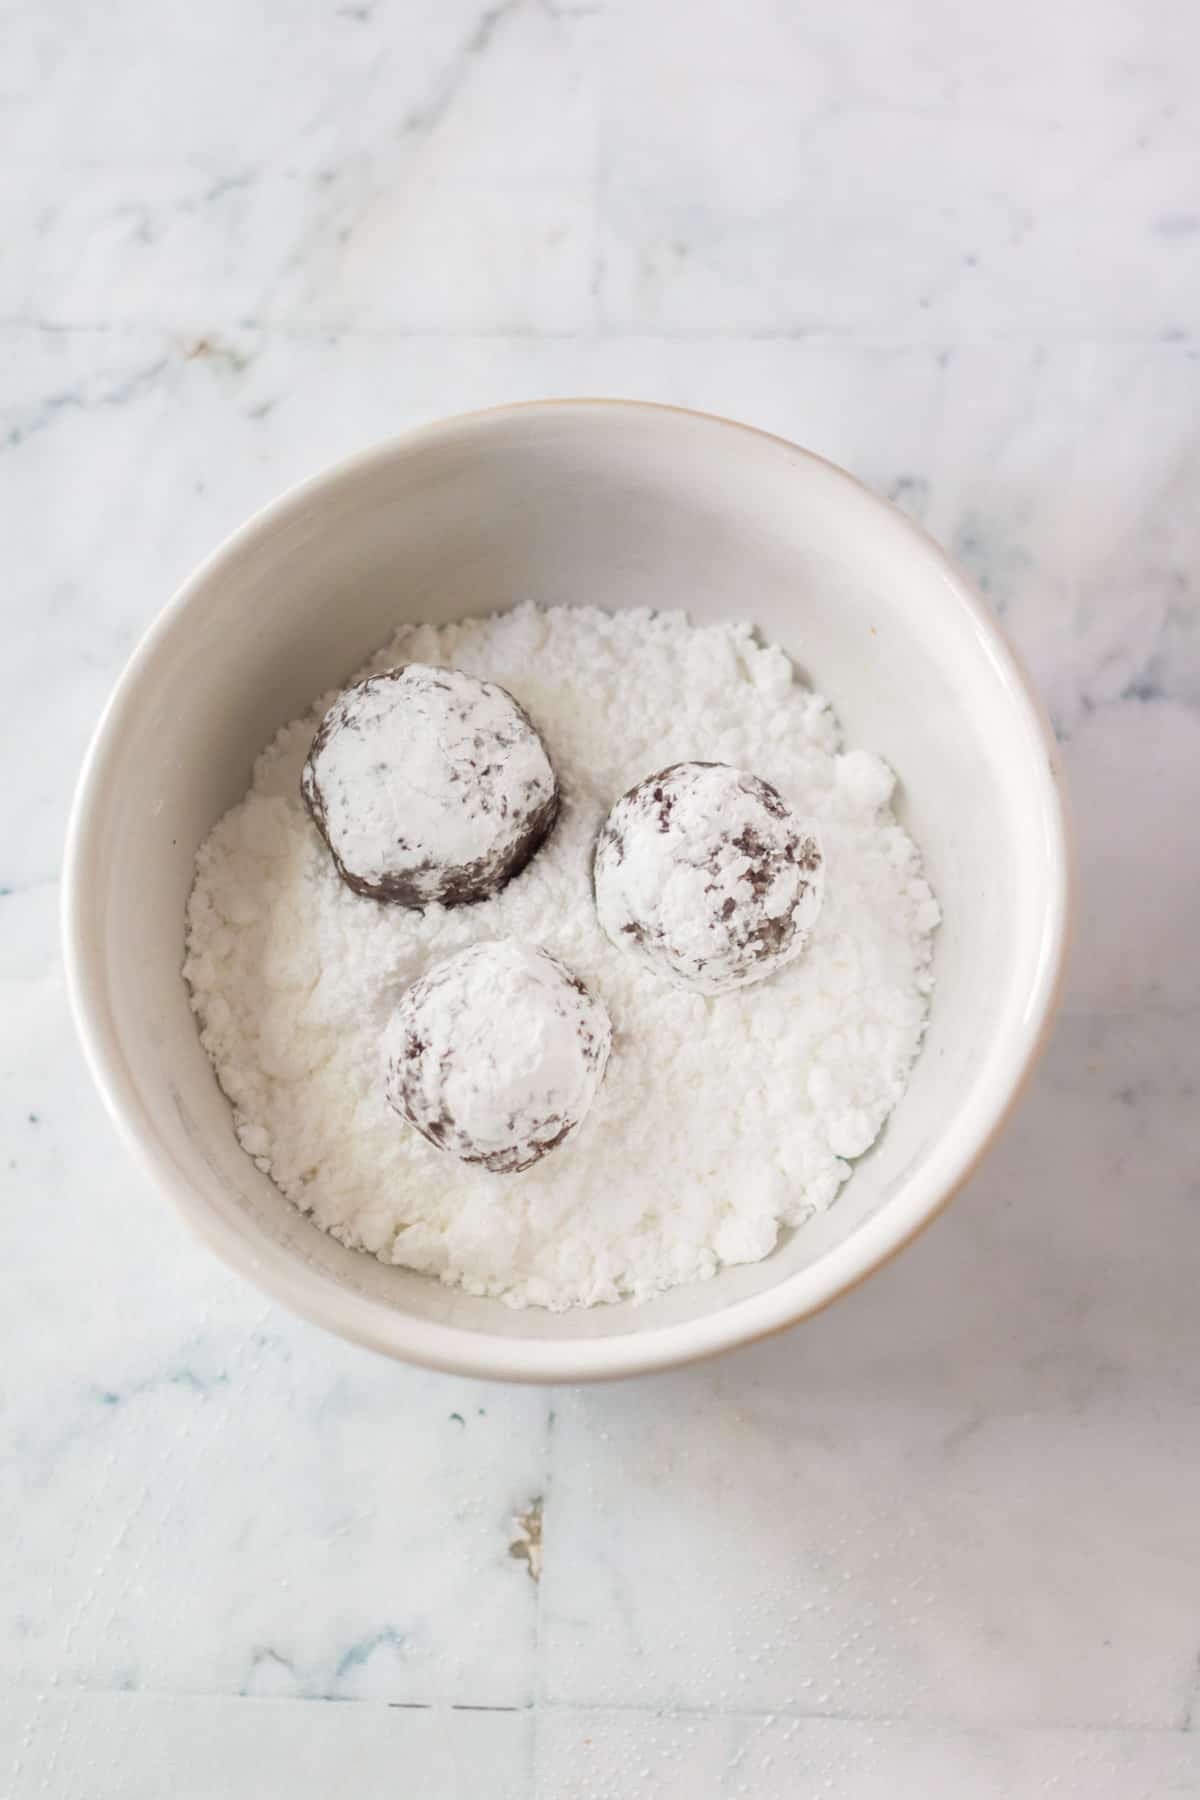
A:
(945, 1540)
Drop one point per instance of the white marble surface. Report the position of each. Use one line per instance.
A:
(945, 1540)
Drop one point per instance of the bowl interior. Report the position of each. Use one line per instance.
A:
(586, 503)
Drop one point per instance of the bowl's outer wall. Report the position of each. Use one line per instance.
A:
(614, 505)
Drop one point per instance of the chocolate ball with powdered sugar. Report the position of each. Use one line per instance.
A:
(428, 785)
(496, 1055)
(707, 873)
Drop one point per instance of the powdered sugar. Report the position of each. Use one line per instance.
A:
(719, 1120)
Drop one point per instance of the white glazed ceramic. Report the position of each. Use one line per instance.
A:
(613, 504)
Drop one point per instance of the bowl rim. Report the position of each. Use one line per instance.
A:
(456, 1349)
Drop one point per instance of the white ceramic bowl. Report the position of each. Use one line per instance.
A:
(613, 504)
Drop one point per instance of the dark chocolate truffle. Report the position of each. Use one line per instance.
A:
(429, 785)
(496, 1055)
(709, 875)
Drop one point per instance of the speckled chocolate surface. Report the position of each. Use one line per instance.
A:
(429, 786)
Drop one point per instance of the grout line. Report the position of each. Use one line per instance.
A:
(428, 1705)
(539, 1680)
(1191, 1711)
(634, 1709)
(586, 332)
(912, 1722)
(462, 1706)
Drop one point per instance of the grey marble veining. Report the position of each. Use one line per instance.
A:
(940, 1542)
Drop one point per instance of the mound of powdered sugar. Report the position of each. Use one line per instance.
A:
(719, 1121)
